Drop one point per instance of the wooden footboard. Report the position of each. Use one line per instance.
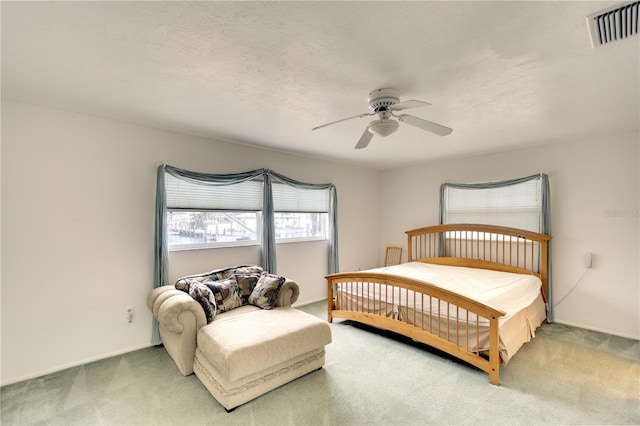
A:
(405, 306)
(457, 325)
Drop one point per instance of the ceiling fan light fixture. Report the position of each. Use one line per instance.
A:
(383, 103)
(383, 127)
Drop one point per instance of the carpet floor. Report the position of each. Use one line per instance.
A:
(565, 376)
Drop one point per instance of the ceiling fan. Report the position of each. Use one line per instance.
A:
(383, 103)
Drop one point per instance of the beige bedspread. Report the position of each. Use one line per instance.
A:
(518, 295)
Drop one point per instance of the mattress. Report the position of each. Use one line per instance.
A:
(518, 295)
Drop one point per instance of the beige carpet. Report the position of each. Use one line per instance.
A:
(566, 376)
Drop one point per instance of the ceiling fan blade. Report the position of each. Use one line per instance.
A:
(366, 114)
(438, 129)
(364, 139)
(409, 104)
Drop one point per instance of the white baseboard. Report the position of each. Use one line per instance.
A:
(613, 333)
(308, 302)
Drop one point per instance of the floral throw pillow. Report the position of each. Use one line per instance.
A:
(203, 295)
(246, 284)
(265, 294)
(221, 290)
(185, 283)
(226, 294)
(249, 270)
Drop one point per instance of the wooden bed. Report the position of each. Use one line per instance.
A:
(434, 315)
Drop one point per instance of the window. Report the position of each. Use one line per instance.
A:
(522, 203)
(300, 213)
(197, 229)
(212, 201)
(292, 226)
(201, 215)
(517, 205)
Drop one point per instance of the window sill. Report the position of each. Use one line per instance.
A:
(212, 246)
(240, 244)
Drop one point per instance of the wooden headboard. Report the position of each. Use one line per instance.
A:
(482, 246)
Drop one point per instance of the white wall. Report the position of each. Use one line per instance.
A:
(77, 227)
(595, 204)
(77, 214)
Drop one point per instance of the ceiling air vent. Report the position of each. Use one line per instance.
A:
(614, 24)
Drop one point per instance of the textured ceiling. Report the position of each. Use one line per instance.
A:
(503, 75)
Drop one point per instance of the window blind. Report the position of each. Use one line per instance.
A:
(287, 198)
(518, 205)
(245, 196)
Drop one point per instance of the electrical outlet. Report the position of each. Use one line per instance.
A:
(130, 314)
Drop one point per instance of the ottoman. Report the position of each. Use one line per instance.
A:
(240, 357)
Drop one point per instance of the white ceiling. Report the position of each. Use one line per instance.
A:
(503, 75)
